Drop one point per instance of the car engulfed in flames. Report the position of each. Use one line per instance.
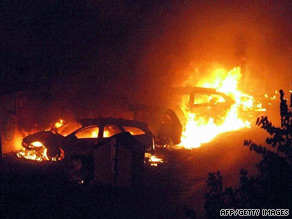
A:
(37, 152)
(212, 106)
(35, 147)
(216, 106)
(79, 139)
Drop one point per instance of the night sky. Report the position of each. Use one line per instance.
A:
(98, 50)
(43, 41)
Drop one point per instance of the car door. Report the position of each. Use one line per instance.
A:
(145, 138)
(82, 141)
(140, 135)
(111, 130)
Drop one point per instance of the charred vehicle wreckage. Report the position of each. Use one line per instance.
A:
(153, 128)
(87, 133)
(210, 103)
(151, 125)
(79, 141)
(205, 102)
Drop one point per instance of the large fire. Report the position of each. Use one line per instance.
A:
(37, 150)
(199, 129)
(202, 125)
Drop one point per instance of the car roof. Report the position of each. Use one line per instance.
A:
(201, 90)
(191, 90)
(113, 121)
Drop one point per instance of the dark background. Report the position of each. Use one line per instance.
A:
(91, 53)
(85, 56)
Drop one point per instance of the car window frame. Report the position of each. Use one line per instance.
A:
(86, 127)
(110, 124)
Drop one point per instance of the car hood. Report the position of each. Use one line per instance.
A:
(47, 138)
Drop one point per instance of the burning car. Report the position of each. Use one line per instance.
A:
(205, 102)
(56, 144)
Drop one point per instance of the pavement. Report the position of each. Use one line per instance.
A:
(42, 190)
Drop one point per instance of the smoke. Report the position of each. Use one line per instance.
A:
(197, 35)
(98, 56)
(151, 47)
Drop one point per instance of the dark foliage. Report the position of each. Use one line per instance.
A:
(271, 188)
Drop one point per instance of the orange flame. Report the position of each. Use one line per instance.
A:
(59, 123)
(198, 129)
(37, 150)
(153, 160)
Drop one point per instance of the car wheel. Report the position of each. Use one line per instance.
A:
(75, 171)
(81, 169)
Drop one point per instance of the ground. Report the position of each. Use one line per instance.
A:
(42, 190)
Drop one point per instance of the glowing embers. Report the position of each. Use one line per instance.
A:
(269, 99)
(152, 160)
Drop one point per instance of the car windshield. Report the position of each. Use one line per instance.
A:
(133, 130)
(208, 99)
(68, 128)
(111, 130)
(88, 132)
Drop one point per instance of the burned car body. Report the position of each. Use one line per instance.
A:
(36, 146)
(81, 142)
(205, 102)
(163, 122)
